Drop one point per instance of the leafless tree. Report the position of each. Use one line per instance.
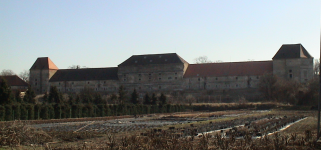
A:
(7, 72)
(202, 60)
(316, 68)
(267, 86)
(74, 67)
(24, 75)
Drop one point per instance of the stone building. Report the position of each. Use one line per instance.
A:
(16, 84)
(169, 72)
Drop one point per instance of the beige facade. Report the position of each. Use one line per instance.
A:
(169, 72)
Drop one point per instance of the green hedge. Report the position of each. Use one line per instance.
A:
(58, 111)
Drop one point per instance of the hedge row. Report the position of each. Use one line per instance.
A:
(222, 107)
(56, 111)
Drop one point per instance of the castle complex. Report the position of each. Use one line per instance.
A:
(170, 72)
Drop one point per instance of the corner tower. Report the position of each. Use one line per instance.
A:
(40, 73)
(293, 61)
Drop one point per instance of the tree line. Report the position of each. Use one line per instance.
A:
(87, 103)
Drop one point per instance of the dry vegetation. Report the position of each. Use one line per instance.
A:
(257, 131)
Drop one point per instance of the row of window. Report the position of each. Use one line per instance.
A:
(199, 79)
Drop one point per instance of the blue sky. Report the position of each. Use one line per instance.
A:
(106, 33)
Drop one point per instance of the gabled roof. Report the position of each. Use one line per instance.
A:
(292, 51)
(252, 68)
(44, 63)
(86, 74)
(14, 80)
(169, 58)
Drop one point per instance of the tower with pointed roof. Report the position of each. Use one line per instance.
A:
(40, 73)
(293, 62)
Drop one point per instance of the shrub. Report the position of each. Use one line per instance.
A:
(8, 112)
(2, 113)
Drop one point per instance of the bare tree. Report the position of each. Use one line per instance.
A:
(7, 72)
(74, 67)
(202, 60)
(24, 75)
(316, 68)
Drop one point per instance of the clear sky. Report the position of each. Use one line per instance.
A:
(104, 33)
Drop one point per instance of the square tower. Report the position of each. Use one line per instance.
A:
(293, 61)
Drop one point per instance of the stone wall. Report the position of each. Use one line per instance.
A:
(107, 86)
(299, 69)
(157, 77)
(39, 80)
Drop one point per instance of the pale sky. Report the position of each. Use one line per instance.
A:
(104, 33)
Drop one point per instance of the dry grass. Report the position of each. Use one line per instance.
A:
(298, 136)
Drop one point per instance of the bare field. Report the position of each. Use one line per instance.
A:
(198, 130)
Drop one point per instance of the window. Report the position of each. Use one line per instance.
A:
(160, 74)
(290, 75)
(236, 85)
(35, 79)
(175, 78)
(159, 87)
(175, 73)
(169, 78)
(257, 77)
(87, 83)
(72, 82)
(139, 87)
(124, 79)
(236, 78)
(216, 78)
(59, 83)
(139, 75)
(150, 74)
(36, 83)
(159, 78)
(149, 78)
(139, 79)
(104, 82)
(290, 70)
(199, 79)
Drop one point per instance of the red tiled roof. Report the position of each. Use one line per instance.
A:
(229, 69)
(14, 80)
(44, 63)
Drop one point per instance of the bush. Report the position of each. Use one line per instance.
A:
(37, 110)
(44, 112)
(24, 112)
(31, 112)
(2, 113)
(8, 112)
(16, 111)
